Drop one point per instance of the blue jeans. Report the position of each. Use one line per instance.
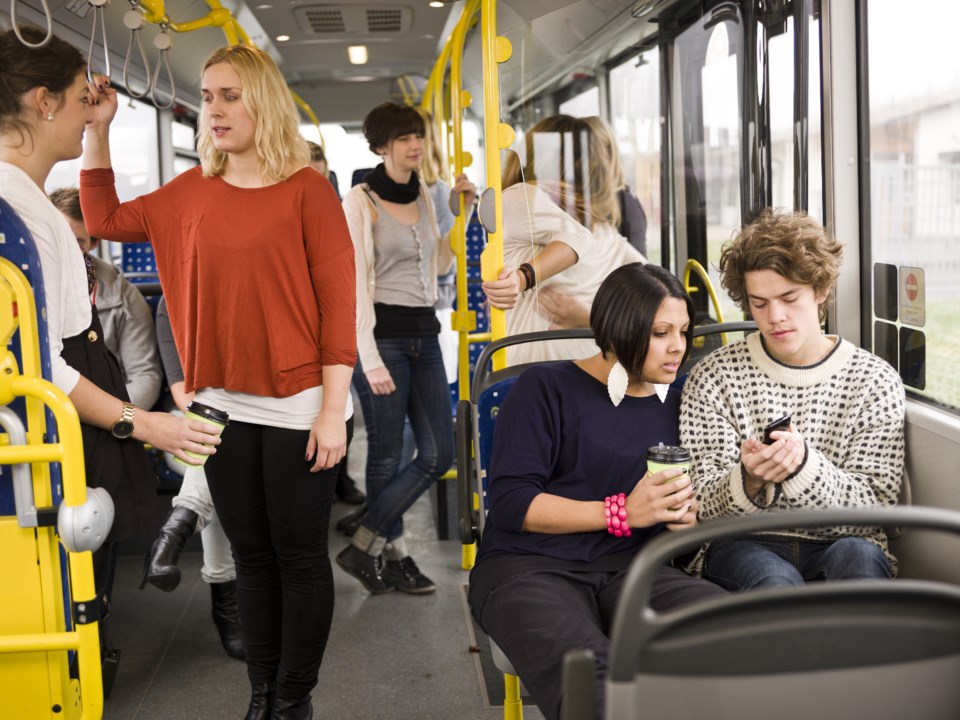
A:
(422, 394)
(761, 563)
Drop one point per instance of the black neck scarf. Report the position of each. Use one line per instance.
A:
(390, 190)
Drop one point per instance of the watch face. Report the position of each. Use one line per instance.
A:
(122, 429)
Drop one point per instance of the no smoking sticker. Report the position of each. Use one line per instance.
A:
(912, 296)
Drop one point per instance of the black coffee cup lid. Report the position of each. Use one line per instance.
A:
(218, 416)
(668, 453)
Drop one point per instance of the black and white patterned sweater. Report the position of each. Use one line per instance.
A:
(849, 408)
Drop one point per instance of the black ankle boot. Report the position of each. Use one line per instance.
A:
(292, 709)
(349, 523)
(223, 598)
(261, 702)
(160, 565)
(347, 490)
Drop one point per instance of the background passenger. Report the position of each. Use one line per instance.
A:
(559, 232)
(43, 112)
(258, 271)
(193, 510)
(318, 161)
(844, 447)
(549, 568)
(128, 328)
(633, 219)
(400, 253)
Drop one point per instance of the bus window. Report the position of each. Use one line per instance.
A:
(134, 148)
(914, 194)
(184, 147)
(583, 104)
(784, 111)
(636, 121)
(707, 154)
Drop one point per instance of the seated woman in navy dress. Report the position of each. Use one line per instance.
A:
(570, 438)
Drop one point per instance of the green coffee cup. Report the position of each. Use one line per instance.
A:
(661, 457)
(209, 415)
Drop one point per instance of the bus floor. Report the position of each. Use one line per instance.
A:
(395, 656)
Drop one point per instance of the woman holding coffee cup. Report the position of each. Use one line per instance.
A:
(43, 111)
(570, 498)
(258, 271)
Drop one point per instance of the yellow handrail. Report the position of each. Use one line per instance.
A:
(694, 266)
(495, 50)
(464, 321)
(40, 393)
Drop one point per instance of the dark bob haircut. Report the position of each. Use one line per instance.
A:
(388, 121)
(625, 308)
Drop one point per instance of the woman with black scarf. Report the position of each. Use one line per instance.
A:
(400, 370)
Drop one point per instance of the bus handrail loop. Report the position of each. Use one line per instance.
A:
(16, 26)
(98, 6)
(133, 19)
(163, 42)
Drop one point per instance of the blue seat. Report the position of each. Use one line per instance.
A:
(358, 176)
(32, 556)
(17, 246)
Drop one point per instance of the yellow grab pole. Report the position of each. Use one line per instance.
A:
(498, 137)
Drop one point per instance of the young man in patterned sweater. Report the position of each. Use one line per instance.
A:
(844, 446)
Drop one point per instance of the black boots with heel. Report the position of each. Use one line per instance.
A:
(160, 565)
(261, 702)
(223, 598)
(292, 709)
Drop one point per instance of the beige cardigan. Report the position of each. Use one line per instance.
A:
(359, 211)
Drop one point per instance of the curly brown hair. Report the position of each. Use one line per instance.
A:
(791, 243)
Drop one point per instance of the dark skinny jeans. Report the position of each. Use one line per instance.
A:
(276, 513)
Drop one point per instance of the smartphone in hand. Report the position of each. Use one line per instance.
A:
(781, 424)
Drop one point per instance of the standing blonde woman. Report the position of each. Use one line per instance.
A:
(258, 270)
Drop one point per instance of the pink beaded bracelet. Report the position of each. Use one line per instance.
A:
(615, 509)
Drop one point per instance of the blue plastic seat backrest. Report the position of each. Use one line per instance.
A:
(17, 246)
(358, 176)
(488, 408)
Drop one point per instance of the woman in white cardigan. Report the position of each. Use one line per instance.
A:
(560, 217)
(400, 253)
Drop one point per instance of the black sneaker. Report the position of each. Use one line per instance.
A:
(406, 577)
(365, 568)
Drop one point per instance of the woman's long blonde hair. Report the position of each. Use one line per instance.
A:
(434, 165)
(280, 147)
(585, 161)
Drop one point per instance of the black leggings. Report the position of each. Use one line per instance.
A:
(275, 513)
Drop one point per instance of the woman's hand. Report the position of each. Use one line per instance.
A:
(381, 382)
(177, 435)
(328, 441)
(664, 497)
(469, 190)
(103, 102)
(563, 311)
(503, 292)
(686, 515)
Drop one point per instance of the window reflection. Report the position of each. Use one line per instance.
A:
(915, 189)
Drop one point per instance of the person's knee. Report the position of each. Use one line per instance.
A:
(854, 558)
(742, 565)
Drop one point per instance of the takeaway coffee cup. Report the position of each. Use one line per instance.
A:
(209, 415)
(661, 457)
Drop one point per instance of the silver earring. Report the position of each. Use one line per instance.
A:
(49, 117)
(617, 382)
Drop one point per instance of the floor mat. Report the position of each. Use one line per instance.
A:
(491, 679)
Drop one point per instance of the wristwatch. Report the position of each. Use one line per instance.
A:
(123, 427)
